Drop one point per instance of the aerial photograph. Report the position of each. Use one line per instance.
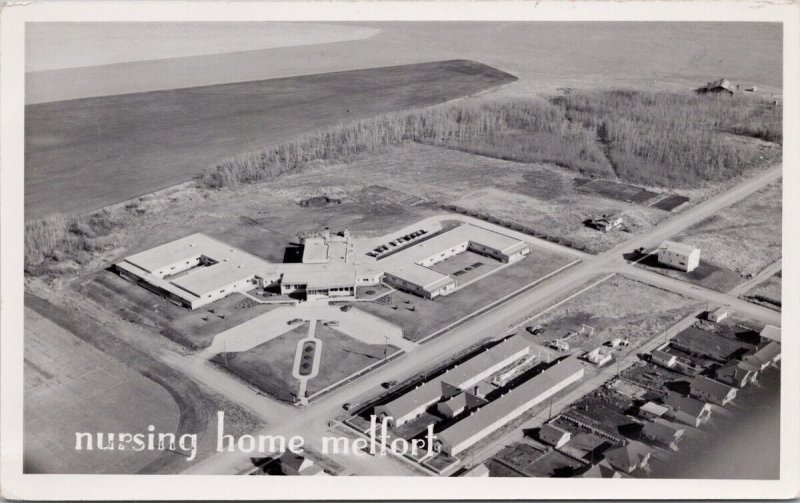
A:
(417, 248)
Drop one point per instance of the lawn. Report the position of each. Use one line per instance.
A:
(342, 356)
(421, 317)
(520, 456)
(268, 366)
(193, 329)
(767, 293)
(146, 141)
(618, 307)
(745, 237)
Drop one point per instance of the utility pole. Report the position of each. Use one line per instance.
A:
(385, 346)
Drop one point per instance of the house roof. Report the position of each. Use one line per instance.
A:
(601, 470)
(662, 355)
(685, 404)
(494, 413)
(737, 370)
(711, 387)
(431, 391)
(771, 332)
(661, 432)
(720, 83)
(551, 433)
(627, 456)
(678, 248)
(654, 408)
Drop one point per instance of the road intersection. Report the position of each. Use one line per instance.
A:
(312, 422)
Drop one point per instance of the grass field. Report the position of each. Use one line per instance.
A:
(71, 387)
(143, 142)
(745, 237)
(197, 407)
(767, 293)
(618, 307)
(429, 316)
(268, 366)
(343, 356)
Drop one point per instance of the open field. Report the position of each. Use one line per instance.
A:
(545, 55)
(196, 408)
(72, 387)
(767, 293)
(420, 317)
(618, 307)
(147, 141)
(746, 237)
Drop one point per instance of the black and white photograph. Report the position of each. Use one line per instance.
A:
(465, 244)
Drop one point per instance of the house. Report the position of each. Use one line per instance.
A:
(688, 410)
(606, 223)
(712, 391)
(602, 470)
(599, 356)
(663, 358)
(718, 314)
(297, 464)
(652, 410)
(663, 434)
(737, 374)
(630, 457)
(771, 332)
(717, 86)
(553, 435)
(479, 470)
(764, 356)
(679, 256)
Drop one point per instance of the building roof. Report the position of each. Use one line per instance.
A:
(431, 391)
(552, 434)
(315, 250)
(217, 276)
(678, 248)
(627, 456)
(685, 404)
(710, 387)
(601, 470)
(661, 432)
(460, 402)
(188, 248)
(654, 409)
(771, 332)
(719, 84)
(404, 263)
(721, 310)
(494, 412)
(738, 371)
(659, 355)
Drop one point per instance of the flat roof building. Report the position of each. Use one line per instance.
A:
(453, 381)
(511, 405)
(197, 270)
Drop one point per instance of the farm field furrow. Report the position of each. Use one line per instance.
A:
(137, 143)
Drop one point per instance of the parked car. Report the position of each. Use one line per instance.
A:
(294, 321)
(389, 384)
(346, 308)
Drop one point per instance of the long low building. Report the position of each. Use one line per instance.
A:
(412, 404)
(496, 414)
(197, 270)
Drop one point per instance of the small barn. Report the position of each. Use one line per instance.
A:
(719, 86)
